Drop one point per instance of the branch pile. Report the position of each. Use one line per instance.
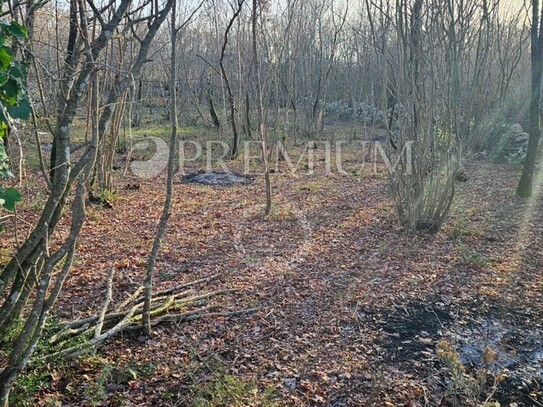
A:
(176, 304)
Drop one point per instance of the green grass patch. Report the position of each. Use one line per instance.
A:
(229, 390)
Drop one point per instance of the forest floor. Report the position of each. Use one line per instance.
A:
(351, 310)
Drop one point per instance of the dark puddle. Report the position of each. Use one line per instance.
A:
(516, 354)
(518, 350)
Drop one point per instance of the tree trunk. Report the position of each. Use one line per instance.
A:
(260, 111)
(148, 293)
(33, 267)
(234, 151)
(525, 185)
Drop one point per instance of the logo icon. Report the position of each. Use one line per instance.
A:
(257, 253)
(156, 164)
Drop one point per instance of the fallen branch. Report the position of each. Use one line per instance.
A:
(182, 286)
(129, 299)
(170, 305)
(101, 317)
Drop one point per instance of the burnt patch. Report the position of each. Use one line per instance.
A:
(216, 178)
(410, 331)
(410, 334)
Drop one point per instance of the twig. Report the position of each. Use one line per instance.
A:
(105, 306)
(130, 298)
(64, 334)
(181, 286)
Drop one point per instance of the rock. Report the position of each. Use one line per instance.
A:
(365, 113)
(290, 383)
(521, 137)
(132, 187)
(111, 388)
(517, 143)
(380, 136)
(461, 175)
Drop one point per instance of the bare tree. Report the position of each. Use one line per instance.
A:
(323, 78)
(33, 266)
(230, 94)
(260, 110)
(525, 185)
(148, 284)
(427, 139)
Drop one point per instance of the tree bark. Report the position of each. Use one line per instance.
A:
(234, 151)
(33, 267)
(148, 285)
(260, 112)
(525, 185)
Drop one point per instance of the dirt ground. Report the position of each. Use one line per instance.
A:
(351, 311)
